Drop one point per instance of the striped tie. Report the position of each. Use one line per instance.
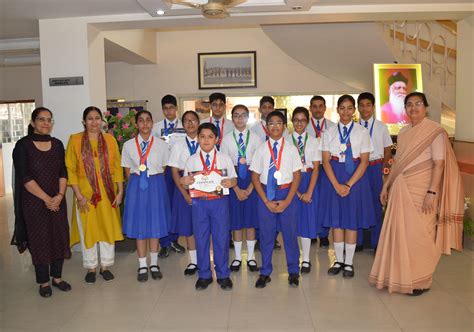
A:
(208, 162)
(301, 147)
(271, 181)
(143, 182)
(241, 168)
(318, 126)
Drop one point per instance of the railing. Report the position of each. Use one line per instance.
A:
(440, 46)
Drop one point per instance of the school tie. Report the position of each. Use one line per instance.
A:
(218, 129)
(301, 147)
(349, 163)
(318, 126)
(366, 125)
(208, 162)
(193, 147)
(143, 182)
(171, 128)
(271, 181)
(242, 168)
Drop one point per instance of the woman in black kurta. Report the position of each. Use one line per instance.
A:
(41, 224)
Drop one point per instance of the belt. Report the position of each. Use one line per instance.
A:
(337, 158)
(283, 186)
(308, 170)
(376, 162)
(210, 198)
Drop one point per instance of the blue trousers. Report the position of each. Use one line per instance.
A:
(212, 218)
(170, 186)
(269, 224)
(324, 230)
(375, 174)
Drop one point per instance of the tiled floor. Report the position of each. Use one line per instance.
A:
(321, 303)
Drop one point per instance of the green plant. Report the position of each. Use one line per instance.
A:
(467, 221)
(122, 127)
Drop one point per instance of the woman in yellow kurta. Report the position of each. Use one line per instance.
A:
(96, 177)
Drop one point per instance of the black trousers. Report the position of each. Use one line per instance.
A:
(43, 272)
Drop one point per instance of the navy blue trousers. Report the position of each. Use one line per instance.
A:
(170, 186)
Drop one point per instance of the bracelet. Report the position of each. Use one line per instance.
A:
(431, 192)
(348, 186)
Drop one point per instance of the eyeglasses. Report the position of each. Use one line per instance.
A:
(217, 105)
(190, 121)
(45, 120)
(300, 121)
(415, 104)
(275, 124)
(240, 116)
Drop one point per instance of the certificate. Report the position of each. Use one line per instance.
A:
(172, 134)
(208, 184)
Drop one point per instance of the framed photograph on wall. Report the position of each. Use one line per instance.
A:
(392, 83)
(227, 70)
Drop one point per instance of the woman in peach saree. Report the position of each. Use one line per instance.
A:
(423, 218)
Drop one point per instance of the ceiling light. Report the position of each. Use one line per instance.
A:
(297, 7)
(160, 12)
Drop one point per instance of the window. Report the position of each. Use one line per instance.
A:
(14, 119)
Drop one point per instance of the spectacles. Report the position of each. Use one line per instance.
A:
(240, 116)
(190, 121)
(45, 120)
(275, 124)
(217, 105)
(415, 104)
(300, 121)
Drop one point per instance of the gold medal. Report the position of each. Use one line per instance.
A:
(242, 160)
(219, 189)
(343, 148)
(142, 168)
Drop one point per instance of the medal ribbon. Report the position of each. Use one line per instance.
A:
(221, 130)
(214, 160)
(143, 156)
(301, 149)
(344, 139)
(371, 127)
(242, 152)
(267, 134)
(316, 130)
(276, 162)
(192, 150)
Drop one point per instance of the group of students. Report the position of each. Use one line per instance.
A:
(322, 176)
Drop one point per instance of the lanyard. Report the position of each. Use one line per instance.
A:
(277, 163)
(190, 148)
(301, 152)
(143, 158)
(167, 130)
(242, 152)
(207, 170)
(371, 127)
(318, 132)
(222, 129)
(342, 139)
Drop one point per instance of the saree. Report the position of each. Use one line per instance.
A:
(411, 242)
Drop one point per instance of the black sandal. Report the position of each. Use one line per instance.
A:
(307, 268)
(235, 268)
(142, 277)
(191, 269)
(253, 267)
(155, 274)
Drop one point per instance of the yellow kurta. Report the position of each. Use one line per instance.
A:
(100, 223)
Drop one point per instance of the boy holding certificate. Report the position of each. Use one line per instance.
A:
(276, 175)
(209, 175)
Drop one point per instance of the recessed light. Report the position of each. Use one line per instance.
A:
(297, 8)
(160, 12)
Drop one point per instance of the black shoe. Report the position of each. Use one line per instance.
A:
(293, 279)
(336, 268)
(262, 281)
(305, 267)
(62, 285)
(277, 245)
(45, 291)
(235, 267)
(252, 265)
(359, 248)
(191, 269)
(164, 252)
(90, 278)
(323, 242)
(142, 276)
(348, 273)
(203, 283)
(155, 272)
(231, 244)
(107, 275)
(225, 283)
(177, 248)
(418, 291)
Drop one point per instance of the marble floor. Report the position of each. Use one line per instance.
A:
(321, 303)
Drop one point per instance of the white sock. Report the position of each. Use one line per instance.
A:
(305, 246)
(350, 250)
(153, 258)
(192, 256)
(339, 248)
(250, 249)
(142, 263)
(238, 250)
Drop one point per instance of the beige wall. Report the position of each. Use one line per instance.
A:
(20, 83)
(177, 73)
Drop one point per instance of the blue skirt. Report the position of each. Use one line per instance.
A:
(243, 214)
(308, 225)
(354, 211)
(147, 212)
(181, 215)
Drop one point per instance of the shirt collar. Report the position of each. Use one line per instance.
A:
(347, 125)
(140, 138)
(167, 122)
(191, 139)
(296, 135)
(280, 141)
(211, 153)
(238, 132)
(369, 121)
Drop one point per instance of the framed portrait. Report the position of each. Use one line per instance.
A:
(227, 70)
(392, 83)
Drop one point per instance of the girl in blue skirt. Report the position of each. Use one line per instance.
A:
(147, 212)
(310, 155)
(345, 203)
(181, 214)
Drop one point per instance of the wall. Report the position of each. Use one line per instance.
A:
(177, 72)
(21, 83)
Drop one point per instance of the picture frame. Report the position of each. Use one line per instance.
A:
(392, 82)
(227, 70)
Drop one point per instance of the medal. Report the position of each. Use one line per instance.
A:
(142, 168)
(242, 160)
(343, 148)
(242, 151)
(143, 156)
(207, 170)
(277, 163)
(277, 175)
(219, 189)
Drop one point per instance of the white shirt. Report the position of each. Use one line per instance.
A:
(380, 137)
(290, 161)
(311, 149)
(327, 124)
(157, 158)
(259, 128)
(228, 125)
(180, 152)
(223, 162)
(229, 146)
(360, 140)
(159, 127)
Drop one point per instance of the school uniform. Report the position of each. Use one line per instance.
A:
(354, 211)
(164, 130)
(224, 126)
(147, 210)
(309, 225)
(269, 222)
(243, 214)
(316, 128)
(260, 129)
(381, 139)
(211, 218)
